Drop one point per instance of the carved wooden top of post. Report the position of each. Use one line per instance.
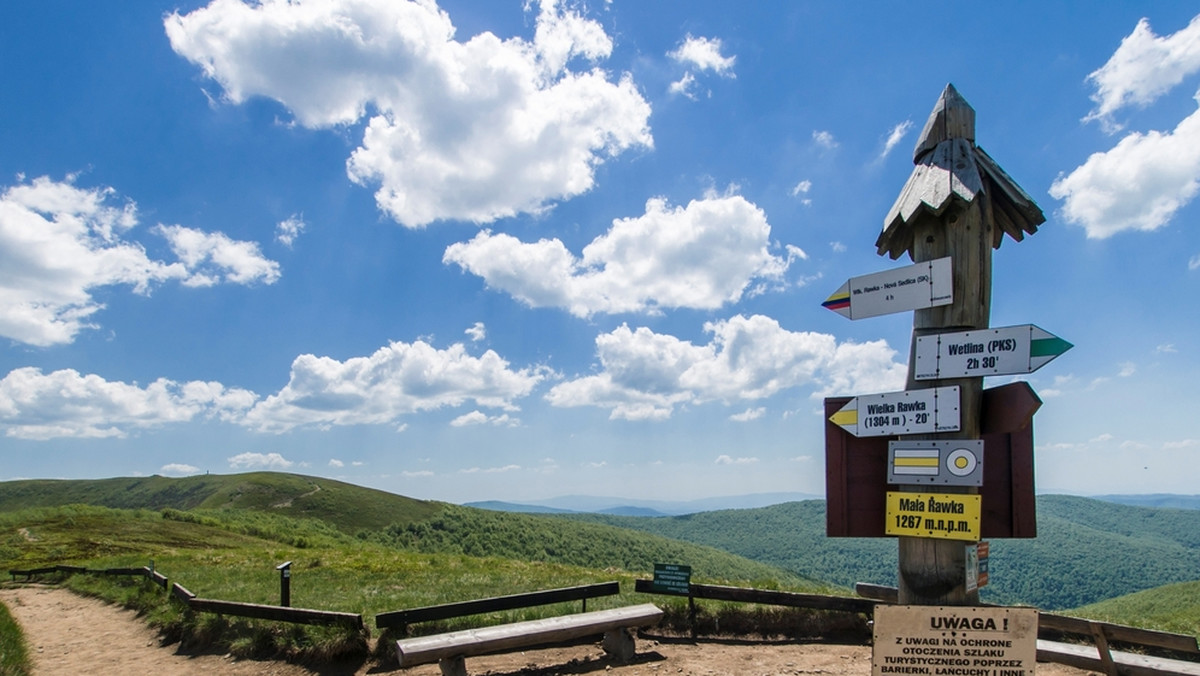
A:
(950, 168)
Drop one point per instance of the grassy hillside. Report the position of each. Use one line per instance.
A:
(1174, 608)
(1086, 550)
(346, 506)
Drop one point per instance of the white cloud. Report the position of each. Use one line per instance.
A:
(259, 461)
(287, 230)
(704, 54)
(480, 418)
(802, 188)
(490, 470)
(65, 403)
(475, 130)
(178, 469)
(749, 414)
(211, 258)
(728, 460)
(824, 139)
(645, 375)
(1137, 185)
(896, 135)
(1194, 262)
(334, 462)
(396, 380)
(59, 244)
(1127, 369)
(684, 86)
(1143, 68)
(699, 256)
(477, 332)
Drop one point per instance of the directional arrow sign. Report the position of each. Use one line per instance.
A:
(931, 410)
(1009, 350)
(912, 287)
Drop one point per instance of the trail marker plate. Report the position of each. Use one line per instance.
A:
(1009, 350)
(948, 462)
(954, 640)
(931, 410)
(912, 287)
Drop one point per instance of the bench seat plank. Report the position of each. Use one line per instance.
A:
(483, 640)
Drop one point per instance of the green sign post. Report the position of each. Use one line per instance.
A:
(672, 579)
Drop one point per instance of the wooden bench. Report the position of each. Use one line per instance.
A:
(451, 649)
(400, 619)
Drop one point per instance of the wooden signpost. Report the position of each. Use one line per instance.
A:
(957, 204)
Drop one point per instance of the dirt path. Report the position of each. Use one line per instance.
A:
(71, 634)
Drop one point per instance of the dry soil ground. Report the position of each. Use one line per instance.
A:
(70, 634)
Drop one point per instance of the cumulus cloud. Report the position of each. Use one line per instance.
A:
(287, 230)
(477, 332)
(259, 461)
(396, 380)
(481, 418)
(645, 375)
(729, 460)
(211, 258)
(66, 403)
(1144, 67)
(475, 130)
(1137, 185)
(699, 256)
(60, 243)
(749, 414)
(704, 54)
(179, 469)
(701, 54)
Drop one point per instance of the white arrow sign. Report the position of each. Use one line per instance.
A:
(912, 287)
(931, 410)
(1010, 350)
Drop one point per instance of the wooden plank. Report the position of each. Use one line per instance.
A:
(400, 618)
(181, 593)
(277, 613)
(769, 597)
(1126, 664)
(427, 649)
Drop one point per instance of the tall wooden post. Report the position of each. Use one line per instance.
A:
(947, 208)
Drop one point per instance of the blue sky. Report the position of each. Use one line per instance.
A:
(508, 250)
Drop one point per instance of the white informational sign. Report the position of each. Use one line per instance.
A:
(1010, 350)
(954, 641)
(912, 287)
(935, 409)
(948, 462)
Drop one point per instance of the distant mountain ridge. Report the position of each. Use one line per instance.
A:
(1160, 500)
(589, 504)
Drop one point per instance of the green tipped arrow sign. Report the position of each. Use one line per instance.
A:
(1010, 350)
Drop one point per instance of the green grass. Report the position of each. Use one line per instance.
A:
(1174, 608)
(232, 554)
(14, 655)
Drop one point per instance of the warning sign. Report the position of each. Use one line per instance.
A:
(954, 641)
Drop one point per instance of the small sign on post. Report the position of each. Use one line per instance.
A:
(931, 640)
(931, 410)
(670, 578)
(1010, 350)
(957, 462)
(912, 287)
(285, 583)
(943, 516)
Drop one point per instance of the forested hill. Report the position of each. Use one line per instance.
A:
(1086, 550)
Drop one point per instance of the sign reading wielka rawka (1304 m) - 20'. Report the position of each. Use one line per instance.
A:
(912, 287)
(931, 410)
